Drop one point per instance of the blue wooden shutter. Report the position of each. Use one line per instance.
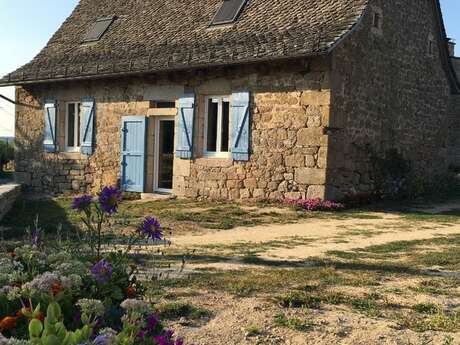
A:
(184, 145)
(133, 144)
(49, 142)
(87, 126)
(240, 125)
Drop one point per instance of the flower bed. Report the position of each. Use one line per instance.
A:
(79, 292)
(315, 204)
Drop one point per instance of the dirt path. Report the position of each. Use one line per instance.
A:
(315, 237)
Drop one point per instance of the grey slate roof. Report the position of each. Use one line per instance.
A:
(161, 35)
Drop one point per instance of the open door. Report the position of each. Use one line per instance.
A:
(164, 154)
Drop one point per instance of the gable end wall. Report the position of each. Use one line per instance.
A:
(388, 92)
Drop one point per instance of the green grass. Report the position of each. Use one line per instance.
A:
(253, 331)
(294, 323)
(177, 310)
(180, 215)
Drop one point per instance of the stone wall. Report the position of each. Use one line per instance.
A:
(290, 111)
(388, 91)
(454, 131)
(8, 195)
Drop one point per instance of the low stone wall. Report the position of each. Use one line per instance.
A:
(8, 195)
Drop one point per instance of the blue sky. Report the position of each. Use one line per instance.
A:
(26, 26)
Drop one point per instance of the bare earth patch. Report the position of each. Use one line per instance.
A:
(348, 280)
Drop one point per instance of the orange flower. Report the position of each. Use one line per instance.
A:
(8, 322)
(56, 288)
(131, 291)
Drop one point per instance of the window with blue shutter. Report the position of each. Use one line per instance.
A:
(184, 146)
(87, 126)
(49, 142)
(240, 125)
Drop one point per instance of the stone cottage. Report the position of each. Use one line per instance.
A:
(234, 99)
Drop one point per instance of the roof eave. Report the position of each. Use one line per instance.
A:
(162, 70)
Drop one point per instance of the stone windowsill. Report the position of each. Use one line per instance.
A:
(72, 155)
(214, 162)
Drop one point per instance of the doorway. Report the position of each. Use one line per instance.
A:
(164, 154)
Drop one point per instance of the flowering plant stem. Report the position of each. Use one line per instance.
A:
(94, 228)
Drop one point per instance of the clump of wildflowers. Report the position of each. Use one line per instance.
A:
(315, 204)
(48, 282)
(91, 309)
(150, 228)
(102, 271)
(136, 306)
(109, 199)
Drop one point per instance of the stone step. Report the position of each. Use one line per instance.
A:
(157, 196)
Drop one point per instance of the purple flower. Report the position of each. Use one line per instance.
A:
(101, 340)
(162, 340)
(35, 236)
(82, 203)
(179, 341)
(141, 334)
(109, 199)
(102, 271)
(152, 322)
(166, 338)
(150, 227)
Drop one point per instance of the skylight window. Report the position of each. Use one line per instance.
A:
(98, 29)
(228, 12)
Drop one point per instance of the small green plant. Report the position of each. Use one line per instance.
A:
(294, 323)
(448, 340)
(299, 300)
(52, 330)
(177, 310)
(427, 308)
(253, 331)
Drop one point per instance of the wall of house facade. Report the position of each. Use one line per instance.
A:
(388, 91)
(290, 111)
(454, 131)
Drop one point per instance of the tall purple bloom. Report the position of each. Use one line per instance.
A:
(101, 340)
(102, 271)
(150, 227)
(152, 322)
(109, 199)
(35, 236)
(163, 340)
(82, 203)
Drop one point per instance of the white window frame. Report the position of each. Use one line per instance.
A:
(218, 153)
(74, 148)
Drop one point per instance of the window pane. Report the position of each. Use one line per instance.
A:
(79, 125)
(212, 126)
(71, 125)
(98, 29)
(225, 126)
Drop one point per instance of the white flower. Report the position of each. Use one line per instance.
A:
(136, 306)
(14, 294)
(91, 307)
(6, 266)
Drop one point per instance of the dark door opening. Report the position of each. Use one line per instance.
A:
(164, 155)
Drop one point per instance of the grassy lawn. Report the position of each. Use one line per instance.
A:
(178, 215)
(367, 282)
(395, 282)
